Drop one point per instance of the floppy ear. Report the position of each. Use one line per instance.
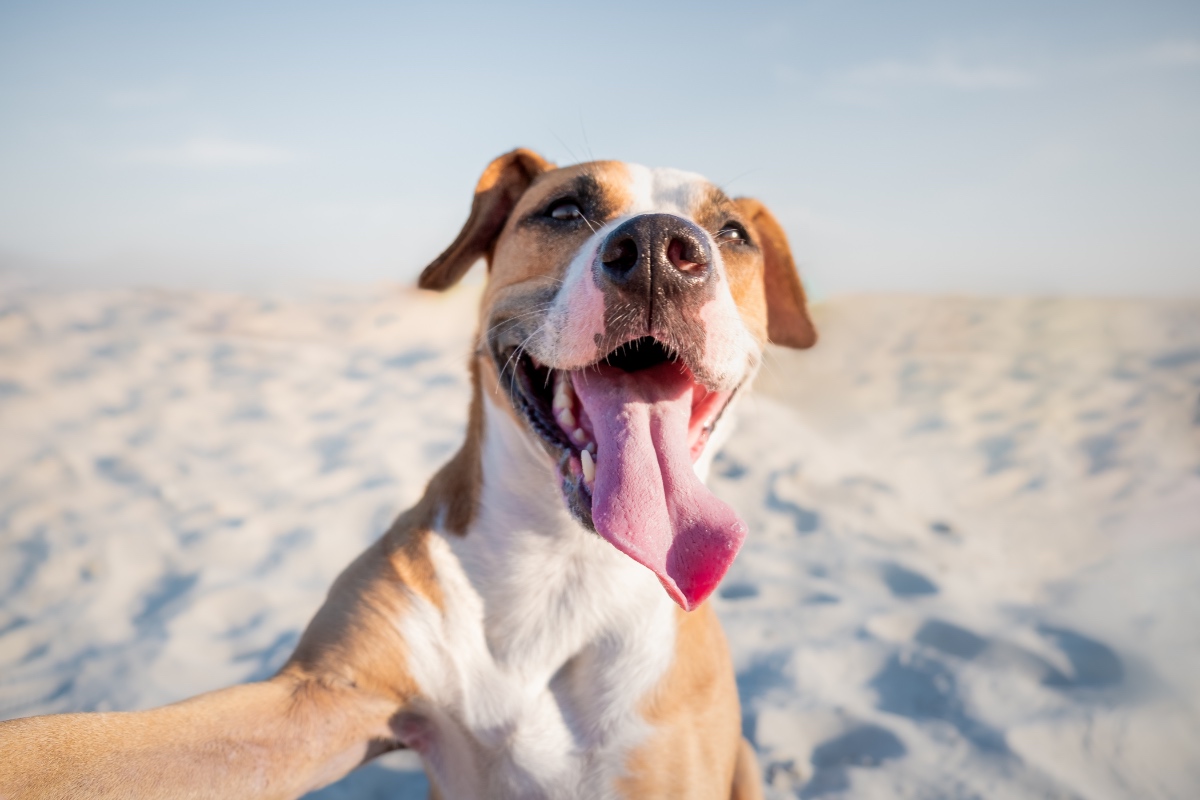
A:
(499, 188)
(788, 322)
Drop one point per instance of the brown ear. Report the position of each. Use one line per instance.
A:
(498, 190)
(788, 322)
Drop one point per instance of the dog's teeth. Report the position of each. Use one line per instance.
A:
(591, 448)
(579, 436)
(562, 392)
(589, 467)
(566, 418)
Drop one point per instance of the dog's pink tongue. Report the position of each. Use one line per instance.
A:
(646, 499)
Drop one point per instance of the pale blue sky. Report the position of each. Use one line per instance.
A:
(955, 147)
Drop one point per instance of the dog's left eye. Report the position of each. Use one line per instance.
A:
(565, 209)
(731, 232)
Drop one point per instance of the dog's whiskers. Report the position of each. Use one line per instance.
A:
(519, 317)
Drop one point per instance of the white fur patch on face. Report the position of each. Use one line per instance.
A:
(731, 353)
(664, 191)
(577, 317)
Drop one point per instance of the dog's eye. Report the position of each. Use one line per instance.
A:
(564, 209)
(731, 232)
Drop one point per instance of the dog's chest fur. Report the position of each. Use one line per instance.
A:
(548, 642)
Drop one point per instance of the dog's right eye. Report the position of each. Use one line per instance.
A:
(564, 209)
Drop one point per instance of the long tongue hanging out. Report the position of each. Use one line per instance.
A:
(646, 499)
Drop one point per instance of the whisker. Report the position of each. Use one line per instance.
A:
(566, 146)
(518, 317)
(586, 145)
(724, 186)
(509, 365)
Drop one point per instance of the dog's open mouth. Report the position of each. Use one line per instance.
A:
(626, 432)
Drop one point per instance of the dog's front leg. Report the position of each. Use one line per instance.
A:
(332, 707)
(275, 739)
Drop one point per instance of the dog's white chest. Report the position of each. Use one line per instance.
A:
(534, 669)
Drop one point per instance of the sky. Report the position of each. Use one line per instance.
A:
(953, 147)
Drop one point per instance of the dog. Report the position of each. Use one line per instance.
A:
(535, 626)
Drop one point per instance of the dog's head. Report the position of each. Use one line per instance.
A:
(625, 307)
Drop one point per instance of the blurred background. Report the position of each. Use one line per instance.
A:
(975, 506)
(1021, 147)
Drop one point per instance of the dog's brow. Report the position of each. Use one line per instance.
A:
(585, 188)
(719, 199)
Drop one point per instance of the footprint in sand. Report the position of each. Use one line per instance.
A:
(1093, 664)
(864, 746)
(764, 676)
(924, 690)
(904, 582)
(805, 520)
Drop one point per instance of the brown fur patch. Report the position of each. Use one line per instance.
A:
(453, 492)
(695, 716)
(788, 322)
(498, 190)
(275, 739)
(353, 638)
(528, 255)
(747, 777)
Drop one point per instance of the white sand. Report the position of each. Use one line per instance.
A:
(974, 567)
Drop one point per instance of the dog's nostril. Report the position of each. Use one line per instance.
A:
(684, 257)
(621, 257)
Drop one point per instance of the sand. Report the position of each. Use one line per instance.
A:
(974, 560)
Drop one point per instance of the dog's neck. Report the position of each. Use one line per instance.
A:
(520, 488)
(547, 585)
(549, 638)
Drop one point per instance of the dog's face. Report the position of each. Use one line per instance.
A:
(625, 308)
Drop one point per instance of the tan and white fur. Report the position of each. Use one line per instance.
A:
(518, 652)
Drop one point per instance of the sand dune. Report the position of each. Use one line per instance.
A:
(975, 523)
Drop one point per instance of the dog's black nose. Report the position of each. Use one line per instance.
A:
(662, 251)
